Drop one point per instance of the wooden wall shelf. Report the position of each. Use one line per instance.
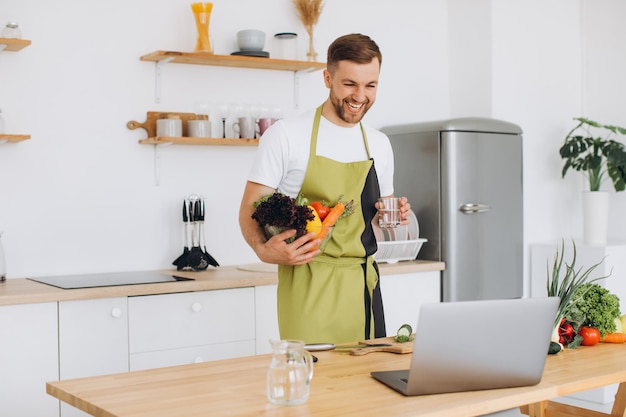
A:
(199, 141)
(13, 45)
(13, 138)
(236, 61)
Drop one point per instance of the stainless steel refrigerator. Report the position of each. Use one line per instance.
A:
(463, 178)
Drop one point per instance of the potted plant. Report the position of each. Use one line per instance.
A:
(596, 157)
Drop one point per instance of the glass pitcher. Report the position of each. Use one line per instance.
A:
(290, 372)
(3, 264)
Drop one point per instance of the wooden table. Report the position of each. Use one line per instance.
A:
(341, 386)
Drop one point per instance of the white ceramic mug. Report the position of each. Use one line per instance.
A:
(245, 127)
(264, 123)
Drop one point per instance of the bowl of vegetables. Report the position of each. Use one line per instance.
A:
(277, 213)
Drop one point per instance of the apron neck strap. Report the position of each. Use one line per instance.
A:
(316, 128)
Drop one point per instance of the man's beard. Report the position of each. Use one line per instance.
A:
(346, 116)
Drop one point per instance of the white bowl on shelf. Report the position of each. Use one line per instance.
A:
(250, 40)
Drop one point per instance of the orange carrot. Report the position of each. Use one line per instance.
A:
(331, 219)
(614, 338)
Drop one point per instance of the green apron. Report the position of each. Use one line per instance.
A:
(336, 297)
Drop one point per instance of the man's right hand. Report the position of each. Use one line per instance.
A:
(299, 252)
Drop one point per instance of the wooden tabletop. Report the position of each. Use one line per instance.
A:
(341, 386)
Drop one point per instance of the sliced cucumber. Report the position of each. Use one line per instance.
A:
(405, 330)
(404, 334)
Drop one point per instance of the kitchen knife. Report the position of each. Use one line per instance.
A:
(316, 347)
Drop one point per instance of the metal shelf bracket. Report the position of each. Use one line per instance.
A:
(157, 162)
(157, 78)
(296, 89)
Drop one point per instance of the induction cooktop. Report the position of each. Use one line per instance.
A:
(68, 282)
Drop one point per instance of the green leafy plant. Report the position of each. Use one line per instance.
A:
(599, 307)
(565, 280)
(595, 157)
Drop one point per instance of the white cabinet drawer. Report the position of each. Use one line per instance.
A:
(93, 340)
(266, 317)
(185, 356)
(28, 359)
(403, 295)
(93, 337)
(172, 321)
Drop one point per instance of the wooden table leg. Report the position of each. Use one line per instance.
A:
(537, 409)
(555, 409)
(619, 406)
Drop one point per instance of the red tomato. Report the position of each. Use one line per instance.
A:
(321, 209)
(590, 336)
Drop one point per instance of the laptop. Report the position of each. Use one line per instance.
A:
(477, 345)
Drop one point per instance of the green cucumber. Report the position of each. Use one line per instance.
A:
(554, 348)
(404, 334)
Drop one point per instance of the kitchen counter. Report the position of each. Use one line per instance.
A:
(24, 291)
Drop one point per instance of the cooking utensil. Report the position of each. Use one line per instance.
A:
(198, 260)
(317, 347)
(181, 261)
(212, 260)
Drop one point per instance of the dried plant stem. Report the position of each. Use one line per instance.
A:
(309, 12)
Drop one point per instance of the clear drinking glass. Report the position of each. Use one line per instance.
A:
(389, 212)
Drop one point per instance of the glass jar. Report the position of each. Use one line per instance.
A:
(12, 31)
(285, 46)
(170, 126)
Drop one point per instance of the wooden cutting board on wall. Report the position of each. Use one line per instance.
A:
(150, 124)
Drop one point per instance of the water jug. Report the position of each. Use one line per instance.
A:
(3, 264)
(289, 374)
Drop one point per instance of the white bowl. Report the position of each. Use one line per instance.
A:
(251, 40)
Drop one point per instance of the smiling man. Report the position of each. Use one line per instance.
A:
(330, 297)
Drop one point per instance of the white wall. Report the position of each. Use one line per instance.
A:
(80, 195)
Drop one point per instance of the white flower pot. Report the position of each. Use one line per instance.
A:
(595, 217)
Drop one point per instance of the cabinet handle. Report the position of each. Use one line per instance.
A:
(198, 360)
(116, 312)
(196, 307)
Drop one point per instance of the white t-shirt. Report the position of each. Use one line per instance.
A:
(283, 153)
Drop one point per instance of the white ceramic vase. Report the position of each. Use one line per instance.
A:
(595, 217)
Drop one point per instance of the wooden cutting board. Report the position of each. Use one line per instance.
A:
(260, 267)
(150, 124)
(395, 347)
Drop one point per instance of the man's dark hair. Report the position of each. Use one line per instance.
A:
(353, 47)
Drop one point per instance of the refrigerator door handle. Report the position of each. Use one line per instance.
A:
(470, 208)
